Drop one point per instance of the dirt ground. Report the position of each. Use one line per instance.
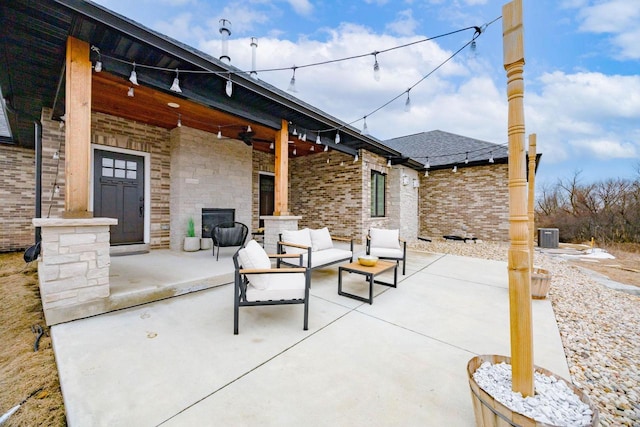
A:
(25, 373)
(32, 375)
(625, 268)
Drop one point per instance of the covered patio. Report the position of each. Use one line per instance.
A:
(399, 361)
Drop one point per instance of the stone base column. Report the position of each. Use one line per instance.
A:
(73, 268)
(273, 226)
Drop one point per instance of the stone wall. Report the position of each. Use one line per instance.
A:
(207, 172)
(17, 192)
(473, 201)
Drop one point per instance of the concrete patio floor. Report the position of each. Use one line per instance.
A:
(400, 361)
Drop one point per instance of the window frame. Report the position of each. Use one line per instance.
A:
(378, 179)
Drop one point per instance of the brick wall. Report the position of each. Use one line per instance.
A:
(207, 172)
(17, 184)
(474, 201)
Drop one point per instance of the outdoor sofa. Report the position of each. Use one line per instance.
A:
(315, 246)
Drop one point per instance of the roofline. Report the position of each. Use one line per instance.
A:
(197, 58)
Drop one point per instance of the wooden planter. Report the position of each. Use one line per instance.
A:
(540, 283)
(491, 413)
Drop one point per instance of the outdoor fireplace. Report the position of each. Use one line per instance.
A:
(214, 216)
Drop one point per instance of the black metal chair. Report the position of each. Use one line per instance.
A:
(228, 234)
(257, 282)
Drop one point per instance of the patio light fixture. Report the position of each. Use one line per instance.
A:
(389, 163)
(426, 172)
(466, 158)
(326, 148)
(427, 165)
(219, 133)
(355, 158)
(318, 139)
(130, 92)
(491, 157)
(133, 78)
(179, 121)
(455, 168)
(176, 83)
(337, 137)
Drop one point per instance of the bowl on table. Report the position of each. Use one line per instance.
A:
(367, 260)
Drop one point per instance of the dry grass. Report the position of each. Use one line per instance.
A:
(625, 268)
(24, 371)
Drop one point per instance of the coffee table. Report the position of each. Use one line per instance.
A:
(370, 273)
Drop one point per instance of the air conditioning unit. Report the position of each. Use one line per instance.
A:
(548, 238)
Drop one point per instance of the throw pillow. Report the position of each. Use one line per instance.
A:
(299, 237)
(321, 239)
(253, 256)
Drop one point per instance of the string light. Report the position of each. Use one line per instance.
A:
(292, 82)
(426, 173)
(98, 66)
(491, 157)
(229, 87)
(318, 139)
(219, 133)
(176, 84)
(455, 168)
(376, 67)
(466, 158)
(337, 137)
(389, 163)
(355, 158)
(179, 121)
(326, 148)
(407, 103)
(427, 165)
(133, 78)
(365, 130)
(130, 92)
(272, 146)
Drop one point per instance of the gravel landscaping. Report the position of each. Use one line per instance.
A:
(600, 330)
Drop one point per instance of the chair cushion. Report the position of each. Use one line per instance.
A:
(284, 286)
(321, 239)
(299, 237)
(253, 256)
(381, 238)
(327, 256)
(387, 253)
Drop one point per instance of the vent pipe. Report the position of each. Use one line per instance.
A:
(225, 31)
(254, 47)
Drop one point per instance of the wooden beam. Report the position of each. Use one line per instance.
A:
(518, 260)
(282, 171)
(77, 130)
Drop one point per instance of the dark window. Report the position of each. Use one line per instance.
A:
(377, 193)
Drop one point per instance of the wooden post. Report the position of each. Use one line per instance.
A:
(281, 197)
(77, 130)
(532, 189)
(518, 263)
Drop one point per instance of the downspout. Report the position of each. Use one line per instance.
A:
(38, 145)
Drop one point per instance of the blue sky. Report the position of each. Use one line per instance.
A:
(582, 72)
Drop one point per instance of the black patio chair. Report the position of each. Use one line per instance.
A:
(228, 234)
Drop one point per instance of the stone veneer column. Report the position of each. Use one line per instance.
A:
(73, 268)
(273, 226)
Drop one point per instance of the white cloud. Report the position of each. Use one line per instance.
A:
(607, 148)
(404, 25)
(576, 115)
(302, 7)
(617, 17)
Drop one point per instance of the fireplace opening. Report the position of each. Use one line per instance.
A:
(214, 216)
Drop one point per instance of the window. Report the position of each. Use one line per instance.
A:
(377, 193)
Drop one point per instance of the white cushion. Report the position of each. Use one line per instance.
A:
(284, 286)
(327, 256)
(299, 237)
(387, 253)
(253, 256)
(321, 239)
(381, 238)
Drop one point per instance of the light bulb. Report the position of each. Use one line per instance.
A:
(337, 137)
(365, 130)
(376, 67)
(426, 173)
(427, 165)
(389, 163)
(318, 140)
(407, 103)
(355, 158)
(179, 121)
(271, 146)
(455, 169)
(229, 88)
(326, 148)
(491, 158)
(466, 158)
(133, 78)
(176, 84)
(295, 151)
(56, 155)
(98, 67)
(130, 92)
(219, 133)
(292, 82)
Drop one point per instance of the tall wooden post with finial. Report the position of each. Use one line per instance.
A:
(518, 263)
